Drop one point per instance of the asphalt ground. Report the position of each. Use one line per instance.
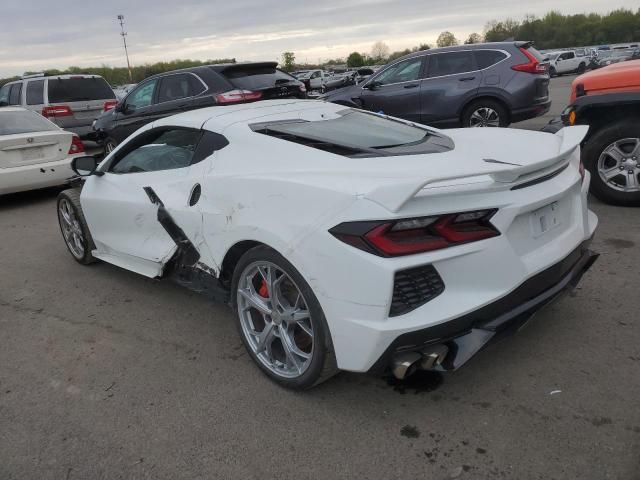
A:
(106, 375)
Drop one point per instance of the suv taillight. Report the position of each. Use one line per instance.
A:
(76, 145)
(56, 111)
(238, 96)
(417, 235)
(109, 104)
(532, 66)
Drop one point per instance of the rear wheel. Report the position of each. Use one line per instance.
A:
(73, 226)
(485, 113)
(582, 68)
(280, 320)
(612, 156)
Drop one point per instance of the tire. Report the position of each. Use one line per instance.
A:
(248, 278)
(109, 145)
(75, 232)
(582, 68)
(485, 113)
(552, 72)
(619, 137)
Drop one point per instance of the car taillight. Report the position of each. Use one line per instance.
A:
(109, 104)
(56, 111)
(76, 145)
(417, 235)
(238, 96)
(532, 66)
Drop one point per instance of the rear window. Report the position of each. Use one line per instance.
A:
(12, 123)
(256, 78)
(35, 92)
(353, 133)
(79, 89)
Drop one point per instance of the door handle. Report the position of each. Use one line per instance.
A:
(194, 196)
(411, 86)
(466, 79)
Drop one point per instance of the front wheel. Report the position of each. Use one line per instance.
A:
(73, 226)
(485, 113)
(612, 155)
(280, 320)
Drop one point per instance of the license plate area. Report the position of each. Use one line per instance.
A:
(34, 153)
(545, 219)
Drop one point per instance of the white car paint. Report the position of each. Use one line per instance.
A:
(568, 61)
(33, 160)
(288, 196)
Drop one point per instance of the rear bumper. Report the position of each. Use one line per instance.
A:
(532, 111)
(467, 335)
(84, 132)
(32, 177)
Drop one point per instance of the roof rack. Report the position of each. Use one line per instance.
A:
(33, 75)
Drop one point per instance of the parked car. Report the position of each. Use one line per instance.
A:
(567, 61)
(72, 102)
(191, 88)
(122, 90)
(314, 79)
(331, 256)
(608, 100)
(34, 152)
(605, 59)
(481, 85)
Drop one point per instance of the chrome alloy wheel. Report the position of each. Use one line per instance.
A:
(619, 165)
(275, 319)
(71, 229)
(484, 117)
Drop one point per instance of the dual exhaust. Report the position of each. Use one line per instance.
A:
(404, 364)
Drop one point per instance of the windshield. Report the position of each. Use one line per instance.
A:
(13, 123)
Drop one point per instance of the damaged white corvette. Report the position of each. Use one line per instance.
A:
(343, 240)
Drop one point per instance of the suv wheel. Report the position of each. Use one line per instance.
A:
(582, 68)
(485, 113)
(73, 226)
(612, 156)
(280, 320)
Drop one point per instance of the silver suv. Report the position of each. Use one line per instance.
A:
(72, 102)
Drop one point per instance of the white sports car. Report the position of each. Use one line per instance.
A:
(34, 152)
(342, 239)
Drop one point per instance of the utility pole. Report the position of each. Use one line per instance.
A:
(124, 41)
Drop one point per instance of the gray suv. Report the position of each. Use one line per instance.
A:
(72, 102)
(480, 85)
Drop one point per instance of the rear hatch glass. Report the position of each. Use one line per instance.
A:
(79, 89)
(273, 83)
(358, 134)
(14, 123)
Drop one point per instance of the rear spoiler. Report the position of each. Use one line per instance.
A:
(246, 66)
(393, 197)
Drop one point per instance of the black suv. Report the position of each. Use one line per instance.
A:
(480, 85)
(182, 90)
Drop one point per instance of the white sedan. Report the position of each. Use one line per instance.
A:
(342, 239)
(34, 152)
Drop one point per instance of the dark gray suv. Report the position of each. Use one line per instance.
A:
(481, 85)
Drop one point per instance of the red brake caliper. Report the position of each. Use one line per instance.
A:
(263, 291)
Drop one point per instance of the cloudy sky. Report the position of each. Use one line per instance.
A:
(39, 34)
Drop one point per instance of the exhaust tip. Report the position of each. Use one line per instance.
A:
(404, 364)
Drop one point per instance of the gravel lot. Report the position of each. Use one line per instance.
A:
(105, 374)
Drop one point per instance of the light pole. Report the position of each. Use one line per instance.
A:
(124, 41)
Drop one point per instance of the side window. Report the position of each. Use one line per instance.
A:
(159, 150)
(571, 55)
(564, 56)
(315, 75)
(451, 63)
(4, 94)
(143, 95)
(401, 72)
(35, 92)
(487, 58)
(14, 95)
(175, 87)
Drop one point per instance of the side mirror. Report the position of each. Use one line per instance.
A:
(85, 166)
(372, 85)
(120, 107)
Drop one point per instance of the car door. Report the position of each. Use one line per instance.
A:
(452, 80)
(161, 166)
(137, 110)
(179, 93)
(564, 63)
(396, 90)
